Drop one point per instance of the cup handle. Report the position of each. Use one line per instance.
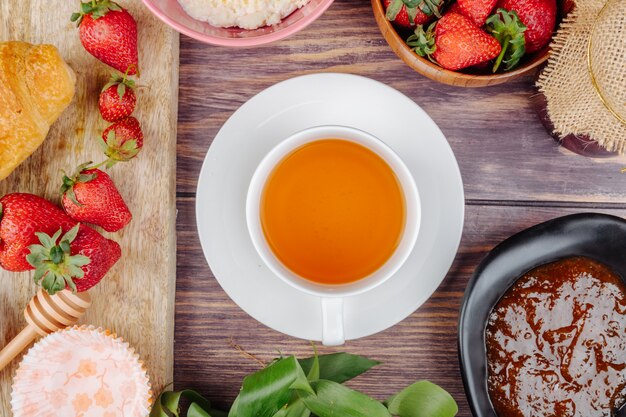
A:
(332, 322)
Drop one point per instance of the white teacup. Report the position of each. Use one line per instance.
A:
(332, 296)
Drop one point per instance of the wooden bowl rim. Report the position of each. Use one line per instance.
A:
(437, 73)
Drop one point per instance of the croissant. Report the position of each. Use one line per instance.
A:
(36, 85)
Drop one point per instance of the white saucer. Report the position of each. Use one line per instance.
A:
(273, 115)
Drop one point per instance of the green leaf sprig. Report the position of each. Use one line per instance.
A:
(289, 387)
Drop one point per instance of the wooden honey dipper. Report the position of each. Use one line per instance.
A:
(46, 314)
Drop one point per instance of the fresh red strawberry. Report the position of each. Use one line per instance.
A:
(76, 260)
(477, 10)
(454, 42)
(91, 196)
(408, 13)
(109, 33)
(117, 100)
(454, 8)
(122, 141)
(21, 216)
(539, 16)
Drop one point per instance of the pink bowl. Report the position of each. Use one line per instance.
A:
(172, 13)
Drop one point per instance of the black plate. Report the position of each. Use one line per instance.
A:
(596, 236)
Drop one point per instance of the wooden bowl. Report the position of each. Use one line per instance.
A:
(433, 71)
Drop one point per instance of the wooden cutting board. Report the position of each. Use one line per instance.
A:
(136, 298)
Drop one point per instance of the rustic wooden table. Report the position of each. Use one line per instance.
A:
(515, 176)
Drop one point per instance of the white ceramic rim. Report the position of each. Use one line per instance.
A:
(411, 201)
(290, 106)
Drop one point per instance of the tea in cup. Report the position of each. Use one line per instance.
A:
(333, 212)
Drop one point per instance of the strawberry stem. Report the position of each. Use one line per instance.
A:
(96, 166)
(131, 66)
(496, 64)
(126, 73)
(508, 30)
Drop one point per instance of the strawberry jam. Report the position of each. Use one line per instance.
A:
(556, 343)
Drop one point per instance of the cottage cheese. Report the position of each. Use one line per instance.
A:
(246, 14)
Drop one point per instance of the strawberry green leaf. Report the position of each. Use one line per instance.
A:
(86, 177)
(86, 8)
(53, 283)
(39, 274)
(103, 145)
(393, 9)
(129, 145)
(65, 247)
(95, 8)
(428, 7)
(120, 153)
(67, 182)
(411, 12)
(121, 90)
(431, 7)
(509, 30)
(80, 260)
(76, 272)
(60, 281)
(54, 267)
(112, 140)
(56, 254)
(70, 236)
(72, 196)
(423, 41)
(412, 4)
(67, 186)
(117, 79)
(46, 241)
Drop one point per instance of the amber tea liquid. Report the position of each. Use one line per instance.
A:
(333, 211)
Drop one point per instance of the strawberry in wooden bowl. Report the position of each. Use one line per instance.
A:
(470, 43)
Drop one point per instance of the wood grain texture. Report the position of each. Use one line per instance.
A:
(423, 346)
(136, 298)
(515, 176)
(503, 150)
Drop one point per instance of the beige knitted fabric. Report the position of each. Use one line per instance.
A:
(574, 105)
